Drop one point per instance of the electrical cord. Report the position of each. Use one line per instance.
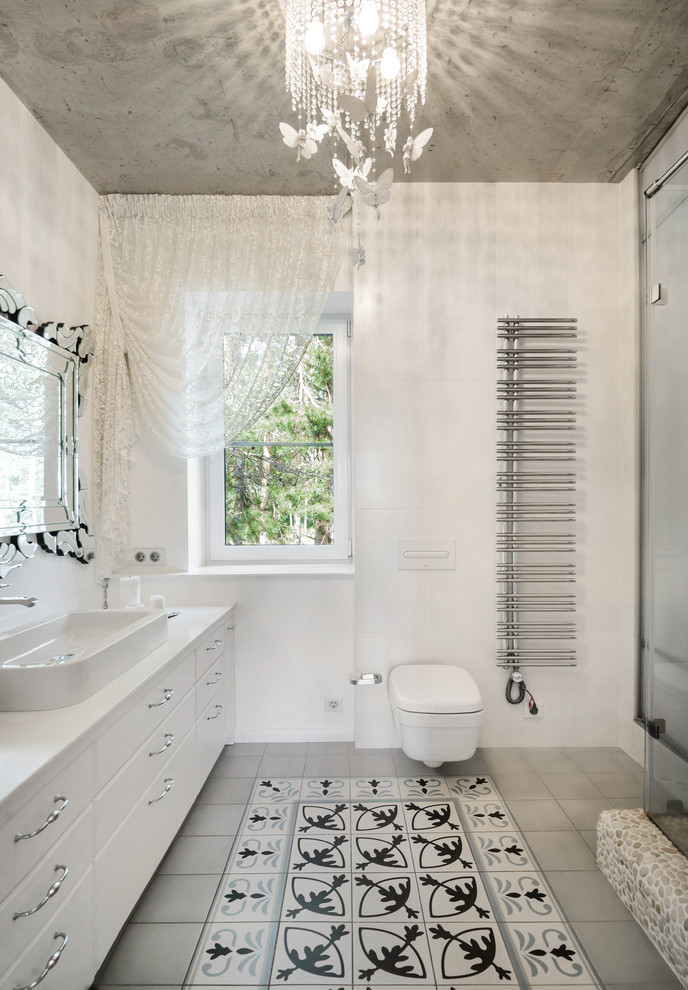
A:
(517, 678)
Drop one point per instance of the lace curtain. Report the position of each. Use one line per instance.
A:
(180, 276)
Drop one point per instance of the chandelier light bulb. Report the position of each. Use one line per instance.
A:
(390, 65)
(314, 38)
(368, 19)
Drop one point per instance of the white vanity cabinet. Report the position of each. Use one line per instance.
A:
(100, 817)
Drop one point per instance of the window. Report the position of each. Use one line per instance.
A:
(281, 493)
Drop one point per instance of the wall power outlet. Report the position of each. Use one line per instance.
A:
(527, 714)
(333, 704)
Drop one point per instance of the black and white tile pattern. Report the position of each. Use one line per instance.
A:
(384, 882)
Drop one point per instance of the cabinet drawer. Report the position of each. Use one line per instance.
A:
(212, 729)
(121, 740)
(75, 968)
(125, 865)
(210, 649)
(45, 818)
(213, 680)
(57, 876)
(114, 801)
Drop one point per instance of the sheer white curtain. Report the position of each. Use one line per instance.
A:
(179, 273)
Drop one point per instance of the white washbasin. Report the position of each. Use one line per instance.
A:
(64, 660)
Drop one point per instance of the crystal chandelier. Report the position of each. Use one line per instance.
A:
(356, 71)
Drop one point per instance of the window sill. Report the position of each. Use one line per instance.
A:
(331, 569)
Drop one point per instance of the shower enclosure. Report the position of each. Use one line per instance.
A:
(664, 571)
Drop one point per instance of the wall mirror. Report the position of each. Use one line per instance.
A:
(42, 378)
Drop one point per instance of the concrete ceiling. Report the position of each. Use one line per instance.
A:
(185, 96)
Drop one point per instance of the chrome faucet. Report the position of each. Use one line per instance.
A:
(21, 600)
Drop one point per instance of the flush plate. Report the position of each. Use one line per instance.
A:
(426, 555)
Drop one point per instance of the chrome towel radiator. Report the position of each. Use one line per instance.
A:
(536, 485)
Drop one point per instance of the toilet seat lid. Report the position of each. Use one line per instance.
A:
(434, 688)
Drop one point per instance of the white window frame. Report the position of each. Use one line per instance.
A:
(340, 550)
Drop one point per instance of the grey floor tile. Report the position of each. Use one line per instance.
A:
(152, 954)
(602, 759)
(175, 899)
(286, 749)
(459, 768)
(587, 895)
(213, 819)
(622, 953)
(326, 763)
(405, 766)
(332, 748)
(521, 785)
(619, 785)
(362, 765)
(552, 761)
(506, 760)
(283, 766)
(197, 854)
(652, 985)
(139, 986)
(539, 815)
(236, 766)
(560, 850)
(590, 837)
(245, 749)
(570, 785)
(226, 790)
(584, 812)
(626, 802)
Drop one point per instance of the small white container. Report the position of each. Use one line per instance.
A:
(130, 592)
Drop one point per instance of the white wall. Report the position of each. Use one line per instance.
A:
(443, 263)
(48, 252)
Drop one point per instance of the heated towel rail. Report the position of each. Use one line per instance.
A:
(536, 485)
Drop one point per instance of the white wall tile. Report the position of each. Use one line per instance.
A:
(460, 438)
(387, 599)
(389, 446)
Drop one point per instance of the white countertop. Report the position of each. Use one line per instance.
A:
(30, 741)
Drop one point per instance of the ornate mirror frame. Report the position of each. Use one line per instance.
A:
(42, 388)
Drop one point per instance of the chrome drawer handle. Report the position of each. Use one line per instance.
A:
(52, 817)
(218, 642)
(217, 714)
(53, 961)
(168, 784)
(218, 678)
(51, 893)
(168, 694)
(170, 739)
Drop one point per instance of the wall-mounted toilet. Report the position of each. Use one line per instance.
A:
(437, 711)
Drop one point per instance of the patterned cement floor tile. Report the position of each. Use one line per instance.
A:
(382, 853)
(251, 898)
(476, 788)
(268, 818)
(459, 897)
(380, 896)
(323, 819)
(549, 954)
(369, 817)
(387, 954)
(423, 787)
(312, 954)
(277, 790)
(374, 787)
(313, 853)
(259, 854)
(502, 851)
(523, 897)
(320, 897)
(428, 816)
(323, 787)
(441, 852)
(469, 954)
(487, 815)
(234, 955)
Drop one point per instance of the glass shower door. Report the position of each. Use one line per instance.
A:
(665, 509)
